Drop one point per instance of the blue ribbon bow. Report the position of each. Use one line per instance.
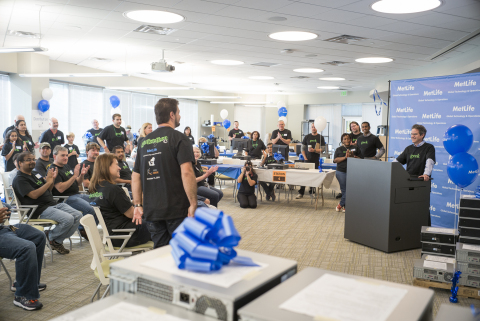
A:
(88, 135)
(301, 157)
(375, 93)
(205, 243)
(210, 136)
(135, 135)
(477, 192)
(278, 157)
(320, 163)
(217, 147)
(245, 137)
(454, 288)
(205, 148)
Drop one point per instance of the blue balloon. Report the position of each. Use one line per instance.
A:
(114, 101)
(43, 105)
(457, 139)
(226, 123)
(282, 112)
(462, 169)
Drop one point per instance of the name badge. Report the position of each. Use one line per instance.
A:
(29, 143)
(70, 148)
(123, 133)
(284, 134)
(352, 150)
(19, 147)
(59, 137)
(71, 172)
(38, 176)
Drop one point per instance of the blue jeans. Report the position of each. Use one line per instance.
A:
(81, 203)
(26, 245)
(212, 193)
(161, 231)
(342, 180)
(68, 220)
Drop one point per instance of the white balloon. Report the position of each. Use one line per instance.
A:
(281, 104)
(283, 118)
(320, 123)
(224, 113)
(115, 111)
(47, 94)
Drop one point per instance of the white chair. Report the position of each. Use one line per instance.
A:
(101, 259)
(7, 187)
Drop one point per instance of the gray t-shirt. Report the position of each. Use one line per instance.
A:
(41, 166)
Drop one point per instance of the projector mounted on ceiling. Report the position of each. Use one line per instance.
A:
(162, 66)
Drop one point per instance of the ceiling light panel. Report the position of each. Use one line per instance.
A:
(74, 75)
(374, 60)
(227, 62)
(328, 87)
(332, 78)
(154, 16)
(308, 70)
(151, 88)
(405, 6)
(21, 49)
(293, 36)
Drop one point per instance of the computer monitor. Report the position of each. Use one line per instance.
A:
(236, 141)
(243, 144)
(211, 150)
(282, 149)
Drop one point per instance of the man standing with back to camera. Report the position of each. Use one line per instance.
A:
(164, 173)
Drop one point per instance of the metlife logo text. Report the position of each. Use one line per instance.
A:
(402, 131)
(464, 108)
(432, 139)
(432, 116)
(405, 88)
(435, 92)
(465, 83)
(405, 110)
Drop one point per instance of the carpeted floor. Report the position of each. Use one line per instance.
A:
(293, 230)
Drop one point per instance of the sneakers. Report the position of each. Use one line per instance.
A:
(338, 208)
(41, 287)
(211, 206)
(59, 247)
(29, 305)
(299, 196)
(343, 209)
(339, 196)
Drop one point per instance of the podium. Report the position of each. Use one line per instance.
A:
(384, 209)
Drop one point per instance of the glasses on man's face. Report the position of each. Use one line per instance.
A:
(28, 160)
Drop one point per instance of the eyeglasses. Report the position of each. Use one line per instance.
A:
(29, 160)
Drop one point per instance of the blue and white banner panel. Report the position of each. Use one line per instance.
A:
(436, 103)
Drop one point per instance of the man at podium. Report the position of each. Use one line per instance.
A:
(420, 156)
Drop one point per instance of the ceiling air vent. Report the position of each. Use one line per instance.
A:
(345, 39)
(265, 64)
(300, 77)
(100, 59)
(335, 63)
(155, 30)
(24, 34)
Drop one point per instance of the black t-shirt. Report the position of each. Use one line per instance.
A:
(9, 128)
(416, 158)
(199, 172)
(368, 145)
(113, 136)
(269, 160)
(42, 166)
(89, 173)
(257, 147)
(192, 139)
(158, 162)
(311, 141)
(64, 174)
(24, 184)
(286, 134)
(125, 172)
(236, 133)
(29, 140)
(354, 137)
(72, 160)
(113, 203)
(53, 139)
(95, 133)
(245, 188)
(17, 149)
(341, 152)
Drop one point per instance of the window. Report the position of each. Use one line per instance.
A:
(5, 102)
(189, 116)
(60, 107)
(250, 119)
(85, 104)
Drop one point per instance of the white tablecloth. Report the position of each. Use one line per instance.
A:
(235, 161)
(310, 177)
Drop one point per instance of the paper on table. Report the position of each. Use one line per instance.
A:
(124, 311)
(471, 247)
(345, 299)
(435, 265)
(441, 230)
(227, 276)
(440, 259)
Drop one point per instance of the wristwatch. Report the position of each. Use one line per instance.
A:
(138, 205)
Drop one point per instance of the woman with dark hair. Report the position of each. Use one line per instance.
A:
(246, 193)
(188, 132)
(12, 145)
(342, 153)
(256, 151)
(115, 205)
(212, 193)
(355, 132)
(24, 135)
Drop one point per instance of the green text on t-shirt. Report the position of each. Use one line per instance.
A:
(157, 140)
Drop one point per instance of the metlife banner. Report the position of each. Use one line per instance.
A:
(436, 103)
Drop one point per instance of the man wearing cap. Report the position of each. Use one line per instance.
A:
(44, 161)
(129, 133)
(53, 136)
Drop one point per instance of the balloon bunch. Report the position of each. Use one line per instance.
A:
(278, 157)
(462, 168)
(205, 242)
(454, 288)
(115, 102)
(44, 104)
(226, 124)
